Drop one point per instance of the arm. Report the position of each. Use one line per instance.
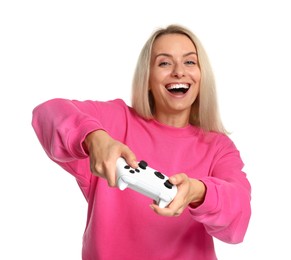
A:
(220, 201)
(104, 151)
(226, 209)
(71, 130)
(61, 126)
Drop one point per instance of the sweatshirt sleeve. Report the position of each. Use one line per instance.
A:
(226, 209)
(61, 126)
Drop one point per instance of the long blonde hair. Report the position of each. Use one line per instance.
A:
(204, 111)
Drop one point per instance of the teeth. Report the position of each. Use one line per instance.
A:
(178, 86)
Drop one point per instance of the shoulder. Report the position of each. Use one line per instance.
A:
(115, 109)
(108, 106)
(113, 104)
(219, 140)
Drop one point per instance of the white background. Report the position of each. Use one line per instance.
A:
(88, 50)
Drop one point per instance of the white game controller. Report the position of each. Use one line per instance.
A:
(146, 181)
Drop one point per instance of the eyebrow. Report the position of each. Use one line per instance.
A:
(169, 55)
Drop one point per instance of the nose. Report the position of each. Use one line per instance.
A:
(178, 71)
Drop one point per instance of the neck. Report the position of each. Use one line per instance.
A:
(177, 121)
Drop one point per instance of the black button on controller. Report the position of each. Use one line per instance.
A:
(143, 165)
(168, 184)
(159, 175)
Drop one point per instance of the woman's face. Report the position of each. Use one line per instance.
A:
(174, 78)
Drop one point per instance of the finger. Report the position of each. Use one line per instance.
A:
(167, 212)
(177, 179)
(111, 168)
(163, 212)
(170, 210)
(105, 170)
(111, 175)
(130, 157)
(96, 168)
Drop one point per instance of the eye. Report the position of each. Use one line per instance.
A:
(164, 63)
(190, 62)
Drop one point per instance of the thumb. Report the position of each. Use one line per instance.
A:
(177, 179)
(130, 158)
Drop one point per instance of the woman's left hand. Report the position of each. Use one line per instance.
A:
(191, 192)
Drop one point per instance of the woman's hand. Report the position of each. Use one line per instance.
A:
(190, 192)
(103, 152)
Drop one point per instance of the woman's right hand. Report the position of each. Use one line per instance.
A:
(103, 152)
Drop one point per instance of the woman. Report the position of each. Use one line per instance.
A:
(174, 125)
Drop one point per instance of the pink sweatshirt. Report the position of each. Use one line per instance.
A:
(120, 224)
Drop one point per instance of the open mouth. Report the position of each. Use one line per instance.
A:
(178, 88)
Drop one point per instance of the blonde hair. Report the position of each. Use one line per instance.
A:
(204, 111)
